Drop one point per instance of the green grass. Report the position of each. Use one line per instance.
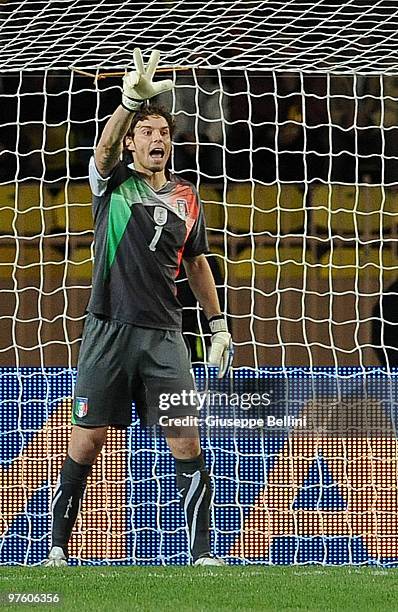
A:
(183, 589)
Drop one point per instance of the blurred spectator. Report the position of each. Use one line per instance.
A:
(281, 124)
(316, 127)
(199, 116)
(263, 110)
(364, 130)
(184, 156)
(270, 130)
(8, 160)
(290, 117)
(385, 117)
(237, 129)
(342, 162)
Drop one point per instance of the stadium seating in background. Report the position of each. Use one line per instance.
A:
(345, 262)
(7, 209)
(289, 200)
(74, 218)
(27, 208)
(7, 263)
(240, 198)
(80, 266)
(30, 263)
(212, 200)
(56, 146)
(73, 208)
(264, 262)
(390, 210)
(25, 264)
(267, 209)
(351, 210)
(34, 210)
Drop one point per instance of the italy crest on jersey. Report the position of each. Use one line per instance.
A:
(182, 208)
(81, 406)
(160, 215)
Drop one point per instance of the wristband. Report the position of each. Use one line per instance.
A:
(131, 105)
(217, 324)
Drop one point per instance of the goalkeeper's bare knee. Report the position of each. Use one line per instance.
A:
(86, 443)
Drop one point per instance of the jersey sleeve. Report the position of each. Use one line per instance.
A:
(98, 183)
(197, 243)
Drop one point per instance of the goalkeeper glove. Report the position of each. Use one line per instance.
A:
(221, 349)
(138, 86)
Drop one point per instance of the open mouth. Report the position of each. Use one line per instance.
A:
(156, 153)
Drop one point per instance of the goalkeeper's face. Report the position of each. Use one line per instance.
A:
(150, 144)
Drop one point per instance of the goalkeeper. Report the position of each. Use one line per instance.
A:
(146, 222)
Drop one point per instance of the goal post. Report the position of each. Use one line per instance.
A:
(286, 123)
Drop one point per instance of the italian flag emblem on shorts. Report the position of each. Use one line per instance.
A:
(81, 406)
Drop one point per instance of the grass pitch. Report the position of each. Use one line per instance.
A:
(183, 589)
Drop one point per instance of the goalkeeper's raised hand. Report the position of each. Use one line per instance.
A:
(221, 349)
(138, 85)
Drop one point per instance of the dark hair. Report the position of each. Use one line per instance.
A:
(145, 112)
(148, 111)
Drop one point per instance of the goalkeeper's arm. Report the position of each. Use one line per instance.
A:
(201, 281)
(137, 87)
(110, 146)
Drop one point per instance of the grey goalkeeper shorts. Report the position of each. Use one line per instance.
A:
(121, 363)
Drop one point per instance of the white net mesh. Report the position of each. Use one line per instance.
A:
(317, 35)
(298, 178)
(286, 122)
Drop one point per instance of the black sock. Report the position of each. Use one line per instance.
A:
(193, 484)
(67, 500)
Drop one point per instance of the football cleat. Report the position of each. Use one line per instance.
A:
(56, 558)
(208, 561)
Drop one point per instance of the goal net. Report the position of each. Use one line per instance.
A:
(286, 122)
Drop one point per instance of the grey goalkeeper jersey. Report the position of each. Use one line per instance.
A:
(141, 236)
